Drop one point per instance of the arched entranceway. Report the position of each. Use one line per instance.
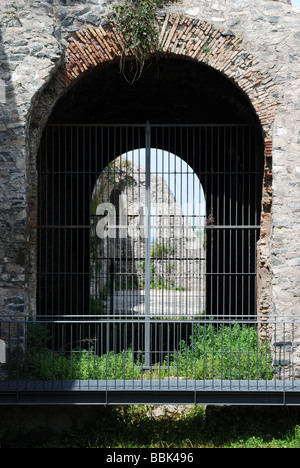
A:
(186, 82)
(159, 205)
(205, 121)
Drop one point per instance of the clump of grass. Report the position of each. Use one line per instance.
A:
(226, 352)
(189, 427)
(82, 365)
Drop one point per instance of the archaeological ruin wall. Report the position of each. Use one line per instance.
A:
(47, 47)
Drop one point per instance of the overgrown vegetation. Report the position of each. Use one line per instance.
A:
(136, 24)
(223, 352)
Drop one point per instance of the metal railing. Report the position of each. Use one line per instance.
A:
(102, 359)
(146, 273)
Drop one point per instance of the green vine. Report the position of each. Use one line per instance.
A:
(136, 24)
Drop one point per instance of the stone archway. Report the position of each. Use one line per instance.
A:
(179, 36)
(182, 37)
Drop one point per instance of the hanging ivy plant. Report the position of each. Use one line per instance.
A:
(136, 23)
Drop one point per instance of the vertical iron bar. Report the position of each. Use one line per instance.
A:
(236, 223)
(147, 245)
(46, 235)
(71, 220)
(78, 201)
(53, 231)
(65, 227)
(250, 168)
(230, 219)
(83, 239)
(112, 240)
(256, 219)
(59, 231)
(89, 219)
(243, 221)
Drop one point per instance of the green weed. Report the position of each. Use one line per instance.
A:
(225, 352)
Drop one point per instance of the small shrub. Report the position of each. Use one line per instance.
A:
(224, 352)
(227, 352)
(137, 26)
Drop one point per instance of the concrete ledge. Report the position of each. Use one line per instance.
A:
(183, 392)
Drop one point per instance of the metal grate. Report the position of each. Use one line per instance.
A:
(149, 220)
(147, 263)
(206, 361)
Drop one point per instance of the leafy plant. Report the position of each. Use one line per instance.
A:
(136, 25)
(223, 352)
(228, 352)
(80, 365)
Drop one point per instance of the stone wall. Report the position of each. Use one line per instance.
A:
(45, 46)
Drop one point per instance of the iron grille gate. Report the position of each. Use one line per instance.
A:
(146, 268)
(144, 209)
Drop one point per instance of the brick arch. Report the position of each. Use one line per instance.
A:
(184, 37)
(179, 36)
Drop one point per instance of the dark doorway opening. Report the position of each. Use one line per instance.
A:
(218, 136)
(170, 91)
